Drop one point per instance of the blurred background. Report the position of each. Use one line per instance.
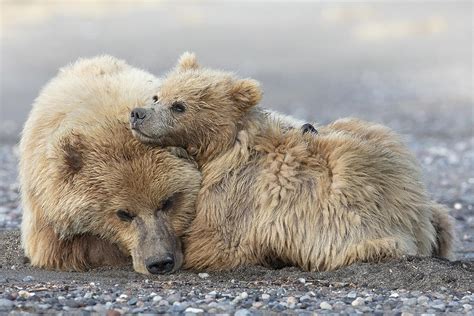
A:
(407, 64)
(401, 63)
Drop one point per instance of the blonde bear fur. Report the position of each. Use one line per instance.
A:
(92, 195)
(275, 197)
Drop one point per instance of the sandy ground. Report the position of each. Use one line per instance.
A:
(437, 280)
(408, 66)
(407, 273)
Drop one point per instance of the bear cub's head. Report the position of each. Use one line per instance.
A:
(195, 108)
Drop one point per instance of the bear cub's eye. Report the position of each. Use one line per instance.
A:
(155, 99)
(178, 107)
(125, 216)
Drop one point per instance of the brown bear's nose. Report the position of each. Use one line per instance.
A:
(137, 115)
(160, 266)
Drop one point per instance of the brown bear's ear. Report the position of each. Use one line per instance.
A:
(72, 150)
(246, 92)
(187, 61)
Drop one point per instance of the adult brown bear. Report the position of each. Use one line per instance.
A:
(93, 195)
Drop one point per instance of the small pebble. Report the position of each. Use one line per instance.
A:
(410, 302)
(358, 302)
(175, 297)
(24, 294)
(423, 300)
(291, 302)
(242, 312)
(439, 307)
(194, 310)
(178, 307)
(5, 304)
(325, 305)
(203, 275)
(113, 312)
(44, 306)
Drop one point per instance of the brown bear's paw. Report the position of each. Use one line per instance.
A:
(308, 128)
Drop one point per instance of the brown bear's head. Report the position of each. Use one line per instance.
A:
(138, 197)
(196, 108)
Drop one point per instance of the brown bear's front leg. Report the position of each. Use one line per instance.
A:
(204, 250)
(46, 250)
(371, 250)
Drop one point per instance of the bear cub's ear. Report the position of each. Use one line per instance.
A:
(187, 61)
(182, 154)
(246, 92)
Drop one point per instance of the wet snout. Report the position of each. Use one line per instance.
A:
(159, 249)
(160, 265)
(137, 116)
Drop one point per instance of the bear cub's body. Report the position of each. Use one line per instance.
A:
(275, 196)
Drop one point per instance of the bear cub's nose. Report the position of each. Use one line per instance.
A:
(160, 266)
(137, 115)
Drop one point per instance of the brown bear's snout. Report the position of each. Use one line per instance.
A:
(160, 266)
(137, 116)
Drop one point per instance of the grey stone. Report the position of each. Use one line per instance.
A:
(423, 300)
(325, 305)
(358, 302)
(176, 297)
(44, 306)
(6, 304)
(266, 297)
(242, 312)
(178, 307)
(72, 303)
(194, 310)
(440, 306)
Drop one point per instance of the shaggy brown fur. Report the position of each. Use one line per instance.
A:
(80, 165)
(272, 195)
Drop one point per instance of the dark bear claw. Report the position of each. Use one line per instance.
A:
(308, 128)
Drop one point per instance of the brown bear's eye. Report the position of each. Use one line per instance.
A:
(167, 205)
(178, 107)
(125, 216)
(155, 98)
